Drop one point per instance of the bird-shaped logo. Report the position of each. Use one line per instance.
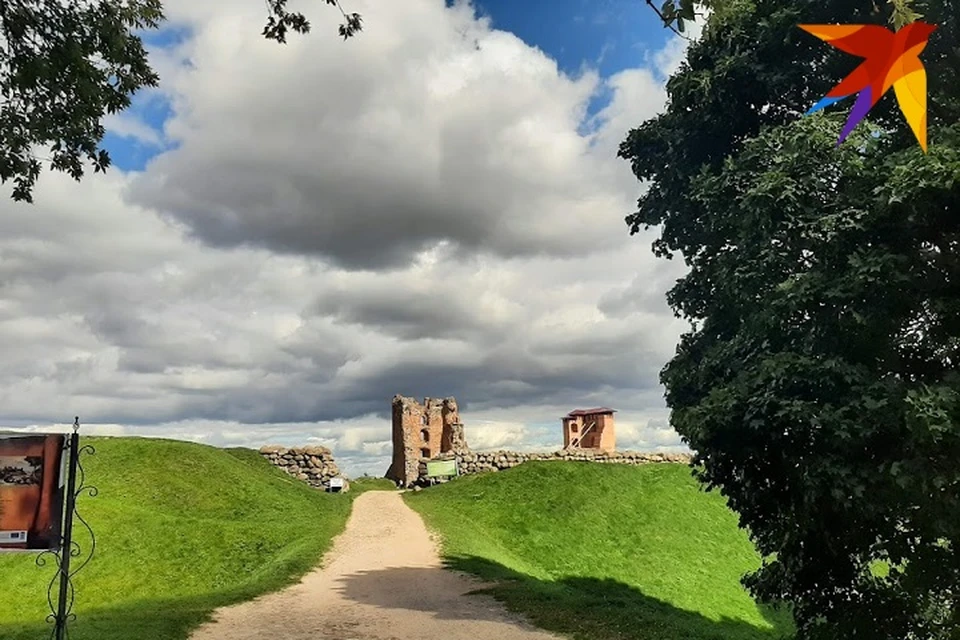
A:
(890, 59)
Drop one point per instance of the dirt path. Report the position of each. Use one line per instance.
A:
(382, 580)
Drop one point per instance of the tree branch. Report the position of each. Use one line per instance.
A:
(666, 22)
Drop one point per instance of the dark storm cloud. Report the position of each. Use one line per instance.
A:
(409, 313)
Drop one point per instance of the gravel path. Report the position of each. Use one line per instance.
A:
(383, 580)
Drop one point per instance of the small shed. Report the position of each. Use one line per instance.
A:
(590, 429)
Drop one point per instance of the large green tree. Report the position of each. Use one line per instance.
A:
(819, 382)
(64, 65)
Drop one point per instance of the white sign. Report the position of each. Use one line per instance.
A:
(13, 537)
(336, 483)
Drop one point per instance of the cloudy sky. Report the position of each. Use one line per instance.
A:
(293, 234)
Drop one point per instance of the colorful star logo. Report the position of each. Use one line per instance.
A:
(890, 60)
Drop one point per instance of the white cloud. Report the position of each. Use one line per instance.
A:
(469, 134)
(413, 211)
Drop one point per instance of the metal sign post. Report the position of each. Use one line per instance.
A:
(62, 613)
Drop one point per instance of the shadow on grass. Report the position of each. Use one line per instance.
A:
(596, 609)
(173, 618)
(167, 619)
(578, 608)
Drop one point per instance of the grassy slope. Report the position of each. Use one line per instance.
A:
(181, 529)
(603, 552)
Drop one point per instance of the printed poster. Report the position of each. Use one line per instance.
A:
(31, 491)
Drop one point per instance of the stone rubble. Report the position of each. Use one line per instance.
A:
(485, 461)
(312, 464)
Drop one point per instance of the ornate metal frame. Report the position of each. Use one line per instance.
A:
(61, 612)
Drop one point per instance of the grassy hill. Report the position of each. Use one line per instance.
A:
(604, 552)
(181, 529)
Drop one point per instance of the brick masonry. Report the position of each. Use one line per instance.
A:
(421, 432)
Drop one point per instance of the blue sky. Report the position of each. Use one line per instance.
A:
(604, 35)
(609, 35)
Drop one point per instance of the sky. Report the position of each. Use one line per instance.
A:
(292, 234)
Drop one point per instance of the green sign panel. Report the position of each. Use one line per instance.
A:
(440, 468)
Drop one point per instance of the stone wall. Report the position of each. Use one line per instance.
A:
(479, 462)
(314, 465)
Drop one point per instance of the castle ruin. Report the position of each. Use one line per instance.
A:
(422, 432)
(432, 431)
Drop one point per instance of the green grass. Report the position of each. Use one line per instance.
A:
(181, 529)
(604, 552)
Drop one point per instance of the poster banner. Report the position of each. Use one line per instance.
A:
(441, 468)
(31, 491)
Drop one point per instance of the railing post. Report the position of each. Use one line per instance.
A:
(60, 630)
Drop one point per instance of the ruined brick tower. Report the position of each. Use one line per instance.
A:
(423, 431)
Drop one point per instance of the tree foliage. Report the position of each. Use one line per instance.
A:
(675, 14)
(819, 384)
(64, 65)
(280, 20)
